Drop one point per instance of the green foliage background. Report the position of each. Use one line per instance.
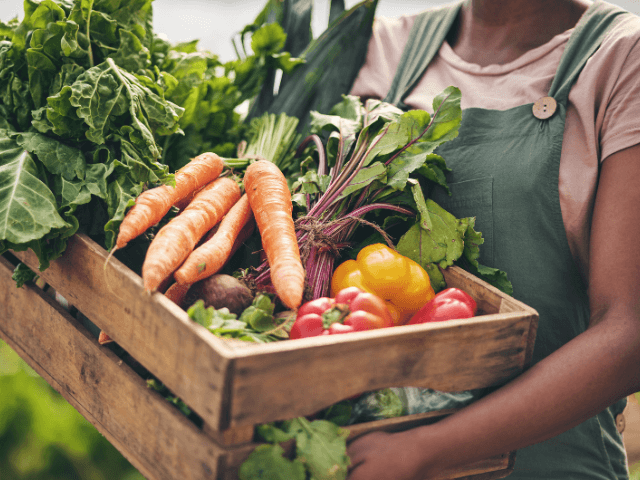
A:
(42, 437)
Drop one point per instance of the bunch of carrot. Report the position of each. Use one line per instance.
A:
(215, 204)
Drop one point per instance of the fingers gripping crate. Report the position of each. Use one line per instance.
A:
(233, 388)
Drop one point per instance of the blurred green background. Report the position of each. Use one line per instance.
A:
(42, 437)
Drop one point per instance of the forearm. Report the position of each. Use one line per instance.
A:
(579, 380)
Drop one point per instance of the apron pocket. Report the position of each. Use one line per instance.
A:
(472, 198)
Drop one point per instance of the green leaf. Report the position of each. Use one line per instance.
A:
(442, 245)
(259, 315)
(447, 117)
(434, 169)
(345, 119)
(268, 39)
(23, 274)
(28, 209)
(267, 462)
(493, 276)
(272, 434)
(321, 447)
(336, 10)
(421, 205)
(72, 193)
(339, 413)
(399, 133)
(60, 159)
(132, 55)
(264, 303)
(106, 92)
(334, 59)
(296, 23)
(121, 194)
(199, 314)
(364, 177)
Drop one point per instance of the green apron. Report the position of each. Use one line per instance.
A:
(505, 173)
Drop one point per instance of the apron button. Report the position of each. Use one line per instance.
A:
(620, 423)
(544, 108)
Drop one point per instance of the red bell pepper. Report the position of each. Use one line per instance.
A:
(350, 311)
(449, 304)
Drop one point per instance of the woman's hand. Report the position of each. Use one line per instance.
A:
(381, 455)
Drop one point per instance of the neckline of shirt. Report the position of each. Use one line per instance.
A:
(448, 55)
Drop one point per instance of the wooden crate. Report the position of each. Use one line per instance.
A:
(233, 388)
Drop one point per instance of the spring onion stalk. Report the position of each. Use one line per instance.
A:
(271, 137)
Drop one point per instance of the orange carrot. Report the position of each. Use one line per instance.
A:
(177, 239)
(103, 338)
(270, 200)
(211, 256)
(182, 203)
(154, 203)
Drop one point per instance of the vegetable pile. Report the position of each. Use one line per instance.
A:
(278, 226)
(95, 108)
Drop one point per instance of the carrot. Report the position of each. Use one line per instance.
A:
(183, 202)
(211, 256)
(270, 200)
(177, 239)
(154, 203)
(103, 338)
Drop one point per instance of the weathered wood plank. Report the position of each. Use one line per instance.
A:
(152, 434)
(303, 376)
(153, 329)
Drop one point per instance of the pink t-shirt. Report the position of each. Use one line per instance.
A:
(603, 112)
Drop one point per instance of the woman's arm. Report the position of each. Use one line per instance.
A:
(582, 378)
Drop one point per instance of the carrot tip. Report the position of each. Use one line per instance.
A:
(103, 338)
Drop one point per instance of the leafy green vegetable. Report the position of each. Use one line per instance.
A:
(379, 404)
(267, 462)
(256, 323)
(332, 62)
(23, 274)
(321, 446)
(168, 396)
(321, 451)
(94, 108)
(81, 113)
(443, 244)
(380, 162)
(212, 92)
(28, 209)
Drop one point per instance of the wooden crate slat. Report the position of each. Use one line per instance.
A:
(152, 328)
(330, 369)
(152, 434)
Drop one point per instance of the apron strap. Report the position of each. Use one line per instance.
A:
(584, 41)
(432, 26)
(427, 34)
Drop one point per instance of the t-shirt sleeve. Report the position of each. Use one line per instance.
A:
(385, 48)
(619, 118)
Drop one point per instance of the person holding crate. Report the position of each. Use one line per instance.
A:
(548, 161)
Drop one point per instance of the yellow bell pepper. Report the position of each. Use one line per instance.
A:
(401, 282)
